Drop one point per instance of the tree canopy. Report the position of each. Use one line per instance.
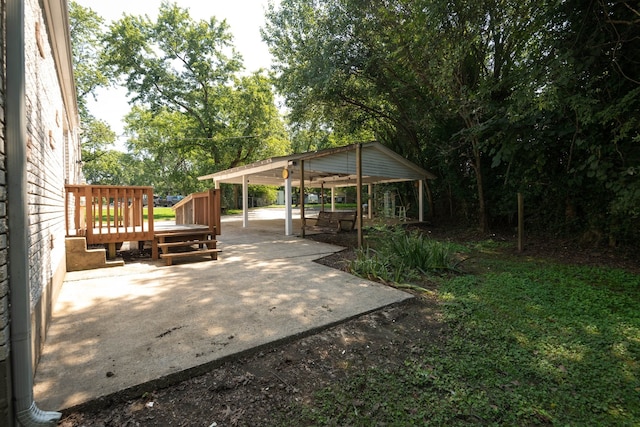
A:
(496, 96)
(97, 137)
(194, 110)
(192, 103)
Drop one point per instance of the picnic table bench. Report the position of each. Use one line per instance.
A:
(334, 221)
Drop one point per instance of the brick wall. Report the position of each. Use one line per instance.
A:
(45, 119)
(52, 151)
(5, 361)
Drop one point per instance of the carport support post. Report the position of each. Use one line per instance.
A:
(420, 200)
(359, 219)
(370, 201)
(303, 220)
(333, 199)
(245, 201)
(288, 215)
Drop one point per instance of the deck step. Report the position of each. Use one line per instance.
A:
(183, 233)
(187, 243)
(167, 244)
(168, 257)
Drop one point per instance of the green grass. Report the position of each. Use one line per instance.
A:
(161, 214)
(529, 343)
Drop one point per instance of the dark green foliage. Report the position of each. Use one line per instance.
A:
(395, 256)
(495, 97)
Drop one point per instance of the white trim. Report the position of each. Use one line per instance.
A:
(57, 17)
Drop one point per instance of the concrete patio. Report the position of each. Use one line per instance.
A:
(129, 329)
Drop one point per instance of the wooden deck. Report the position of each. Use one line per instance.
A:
(112, 215)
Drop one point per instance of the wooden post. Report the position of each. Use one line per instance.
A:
(520, 222)
(111, 252)
(421, 200)
(149, 192)
(370, 201)
(359, 220)
(333, 199)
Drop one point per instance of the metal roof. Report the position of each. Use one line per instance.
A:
(334, 167)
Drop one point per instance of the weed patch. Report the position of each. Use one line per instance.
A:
(395, 256)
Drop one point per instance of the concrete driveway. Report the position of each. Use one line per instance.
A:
(132, 328)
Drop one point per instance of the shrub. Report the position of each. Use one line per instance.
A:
(396, 256)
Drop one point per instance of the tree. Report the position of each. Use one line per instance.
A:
(522, 96)
(112, 167)
(155, 140)
(90, 74)
(172, 156)
(597, 87)
(366, 63)
(95, 135)
(188, 71)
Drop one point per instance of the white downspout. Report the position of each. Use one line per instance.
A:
(27, 413)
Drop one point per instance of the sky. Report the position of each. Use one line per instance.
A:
(244, 17)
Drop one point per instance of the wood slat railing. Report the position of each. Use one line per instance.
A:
(109, 213)
(201, 209)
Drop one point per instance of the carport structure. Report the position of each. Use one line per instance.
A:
(352, 165)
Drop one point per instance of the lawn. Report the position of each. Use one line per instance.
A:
(161, 214)
(530, 342)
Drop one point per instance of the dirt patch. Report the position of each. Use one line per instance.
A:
(248, 391)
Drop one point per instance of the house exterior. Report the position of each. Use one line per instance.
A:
(40, 145)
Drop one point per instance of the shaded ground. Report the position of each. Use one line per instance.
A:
(249, 390)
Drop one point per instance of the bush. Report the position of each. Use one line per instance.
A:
(397, 256)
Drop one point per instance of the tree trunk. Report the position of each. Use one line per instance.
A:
(483, 215)
(235, 197)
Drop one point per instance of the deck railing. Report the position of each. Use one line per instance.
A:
(200, 208)
(108, 213)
